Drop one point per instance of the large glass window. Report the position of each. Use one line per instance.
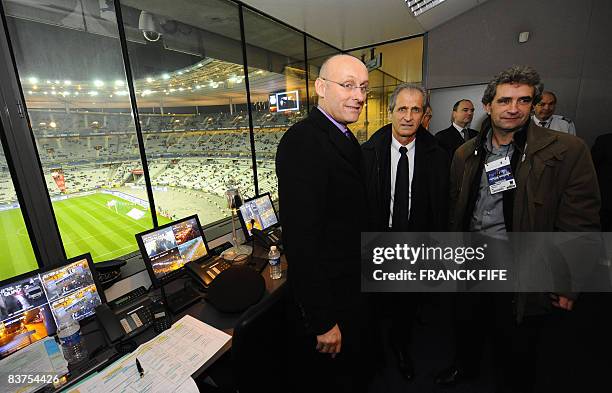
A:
(188, 74)
(17, 254)
(317, 53)
(69, 60)
(401, 62)
(277, 76)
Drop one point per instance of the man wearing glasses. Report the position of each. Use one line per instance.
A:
(321, 197)
(406, 176)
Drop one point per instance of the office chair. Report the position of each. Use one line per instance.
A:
(259, 354)
(258, 358)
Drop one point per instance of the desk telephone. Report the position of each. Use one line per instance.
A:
(267, 238)
(131, 314)
(205, 273)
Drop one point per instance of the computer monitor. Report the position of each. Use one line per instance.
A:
(25, 315)
(31, 305)
(257, 212)
(72, 288)
(168, 248)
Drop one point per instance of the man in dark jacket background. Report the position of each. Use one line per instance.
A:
(458, 132)
(406, 178)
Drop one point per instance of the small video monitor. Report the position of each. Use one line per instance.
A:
(272, 102)
(72, 288)
(25, 316)
(31, 305)
(288, 101)
(257, 213)
(168, 248)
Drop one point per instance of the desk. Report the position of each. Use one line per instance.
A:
(94, 336)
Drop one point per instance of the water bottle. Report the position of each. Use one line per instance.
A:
(69, 334)
(275, 264)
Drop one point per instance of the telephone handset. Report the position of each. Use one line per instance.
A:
(267, 238)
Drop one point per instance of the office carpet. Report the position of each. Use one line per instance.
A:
(574, 356)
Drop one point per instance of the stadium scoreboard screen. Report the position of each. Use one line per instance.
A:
(284, 101)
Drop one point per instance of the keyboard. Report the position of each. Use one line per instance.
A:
(182, 299)
(275, 235)
(216, 266)
(128, 298)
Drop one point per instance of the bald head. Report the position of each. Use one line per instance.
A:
(341, 87)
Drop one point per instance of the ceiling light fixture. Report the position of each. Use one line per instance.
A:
(417, 7)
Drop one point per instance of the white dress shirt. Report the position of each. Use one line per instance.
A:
(395, 156)
(557, 123)
(460, 130)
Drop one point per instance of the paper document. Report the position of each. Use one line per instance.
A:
(168, 361)
(32, 367)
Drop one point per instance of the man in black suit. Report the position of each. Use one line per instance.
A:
(458, 132)
(321, 198)
(427, 116)
(406, 175)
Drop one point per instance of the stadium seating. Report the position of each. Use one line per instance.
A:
(193, 151)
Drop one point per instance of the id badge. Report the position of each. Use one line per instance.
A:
(499, 175)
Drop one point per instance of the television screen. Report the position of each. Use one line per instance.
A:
(168, 248)
(71, 289)
(259, 213)
(25, 316)
(32, 305)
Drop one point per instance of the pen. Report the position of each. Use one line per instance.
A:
(140, 369)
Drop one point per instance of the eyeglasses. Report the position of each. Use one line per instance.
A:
(348, 86)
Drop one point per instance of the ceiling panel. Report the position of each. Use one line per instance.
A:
(343, 23)
(348, 24)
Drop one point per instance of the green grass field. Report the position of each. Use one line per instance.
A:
(86, 225)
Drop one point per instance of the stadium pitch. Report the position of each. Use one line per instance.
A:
(86, 224)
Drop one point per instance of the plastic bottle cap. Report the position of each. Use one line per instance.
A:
(273, 248)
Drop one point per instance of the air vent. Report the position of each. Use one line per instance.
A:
(417, 7)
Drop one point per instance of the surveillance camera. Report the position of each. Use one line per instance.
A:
(151, 35)
(149, 26)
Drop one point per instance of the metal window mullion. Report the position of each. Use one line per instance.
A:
(23, 160)
(248, 93)
(134, 108)
(307, 70)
